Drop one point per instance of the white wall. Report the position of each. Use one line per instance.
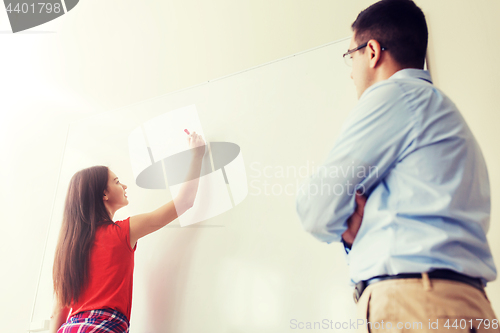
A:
(104, 55)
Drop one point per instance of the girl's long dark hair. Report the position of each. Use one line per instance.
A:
(83, 210)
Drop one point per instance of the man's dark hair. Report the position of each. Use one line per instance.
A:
(399, 26)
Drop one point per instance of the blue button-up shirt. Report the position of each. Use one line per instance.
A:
(409, 150)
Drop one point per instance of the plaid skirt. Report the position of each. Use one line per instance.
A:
(96, 321)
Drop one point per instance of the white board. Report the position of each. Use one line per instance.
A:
(251, 267)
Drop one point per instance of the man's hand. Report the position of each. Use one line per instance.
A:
(354, 222)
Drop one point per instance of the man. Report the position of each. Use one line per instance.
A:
(417, 239)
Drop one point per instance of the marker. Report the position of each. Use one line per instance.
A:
(186, 131)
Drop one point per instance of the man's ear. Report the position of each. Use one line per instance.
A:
(374, 51)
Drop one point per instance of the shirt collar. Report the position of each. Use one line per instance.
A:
(412, 73)
(405, 73)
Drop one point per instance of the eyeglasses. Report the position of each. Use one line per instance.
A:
(348, 57)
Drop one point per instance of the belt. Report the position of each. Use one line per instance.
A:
(444, 274)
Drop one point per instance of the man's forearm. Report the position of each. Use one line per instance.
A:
(313, 202)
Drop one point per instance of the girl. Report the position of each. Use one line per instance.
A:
(94, 259)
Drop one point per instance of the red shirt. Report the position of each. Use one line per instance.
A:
(111, 269)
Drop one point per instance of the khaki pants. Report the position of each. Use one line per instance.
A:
(425, 305)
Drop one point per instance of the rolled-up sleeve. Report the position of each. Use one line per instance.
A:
(377, 132)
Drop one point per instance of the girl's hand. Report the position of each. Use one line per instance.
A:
(196, 144)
